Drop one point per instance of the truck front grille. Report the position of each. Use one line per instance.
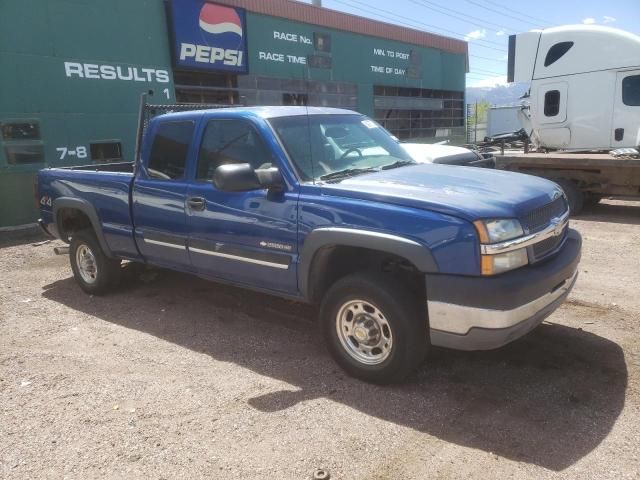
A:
(540, 218)
(547, 246)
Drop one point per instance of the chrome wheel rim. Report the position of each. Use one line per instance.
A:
(86, 262)
(364, 332)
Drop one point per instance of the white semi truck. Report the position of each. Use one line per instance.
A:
(585, 86)
(584, 102)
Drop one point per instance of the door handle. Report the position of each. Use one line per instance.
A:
(196, 203)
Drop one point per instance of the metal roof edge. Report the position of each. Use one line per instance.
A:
(325, 17)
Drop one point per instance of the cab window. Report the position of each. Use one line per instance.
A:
(169, 151)
(227, 142)
(556, 52)
(631, 90)
(552, 103)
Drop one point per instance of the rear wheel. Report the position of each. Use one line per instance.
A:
(592, 199)
(93, 270)
(373, 328)
(574, 195)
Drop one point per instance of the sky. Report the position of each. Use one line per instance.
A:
(487, 24)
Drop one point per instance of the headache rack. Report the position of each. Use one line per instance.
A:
(148, 111)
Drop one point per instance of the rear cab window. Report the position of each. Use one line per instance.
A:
(168, 157)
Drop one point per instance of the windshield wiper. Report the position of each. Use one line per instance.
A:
(399, 163)
(347, 172)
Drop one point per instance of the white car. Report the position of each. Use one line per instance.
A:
(445, 154)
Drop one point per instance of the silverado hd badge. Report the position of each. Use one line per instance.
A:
(276, 246)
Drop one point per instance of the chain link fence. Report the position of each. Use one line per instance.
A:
(477, 121)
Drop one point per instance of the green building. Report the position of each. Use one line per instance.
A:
(72, 72)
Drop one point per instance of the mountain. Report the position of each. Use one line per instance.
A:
(507, 94)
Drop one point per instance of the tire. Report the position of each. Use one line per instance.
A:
(402, 336)
(592, 199)
(99, 274)
(574, 195)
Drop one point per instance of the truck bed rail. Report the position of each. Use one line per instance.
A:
(126, 167)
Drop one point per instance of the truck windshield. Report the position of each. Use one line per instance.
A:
(333, 147)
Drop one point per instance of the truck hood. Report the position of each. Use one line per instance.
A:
(466, 192)
(433, 153)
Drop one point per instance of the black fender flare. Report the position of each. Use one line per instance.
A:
(317, 239)
(89, 210)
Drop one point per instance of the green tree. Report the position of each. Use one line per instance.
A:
(482, 108)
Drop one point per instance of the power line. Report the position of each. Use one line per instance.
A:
(459, 15)
(480, 76)
(487, 58)
(403, 24)
(482, 70)
(498, 79)
(502, 13)
(545, 22)
(415, 22)
(487, 75)
(476, 77)
(484, 74)
(485, 46)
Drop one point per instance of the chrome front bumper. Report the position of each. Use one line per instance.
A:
(489, 313)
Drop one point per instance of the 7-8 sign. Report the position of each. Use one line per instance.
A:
(80, 152)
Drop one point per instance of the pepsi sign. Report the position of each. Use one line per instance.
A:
(208, 36)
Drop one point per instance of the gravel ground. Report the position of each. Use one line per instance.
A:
(176, 377)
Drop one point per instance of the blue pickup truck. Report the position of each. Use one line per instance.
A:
(323, 205)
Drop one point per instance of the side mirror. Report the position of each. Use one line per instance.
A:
(270, 178)
(241, 177)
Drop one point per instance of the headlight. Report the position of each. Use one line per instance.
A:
(503, 262)
(498, 230)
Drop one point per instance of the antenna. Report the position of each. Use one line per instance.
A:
(141, 125)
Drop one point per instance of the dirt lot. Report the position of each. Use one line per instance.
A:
(176, 377)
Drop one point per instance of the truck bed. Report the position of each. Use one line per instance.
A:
(103, 188)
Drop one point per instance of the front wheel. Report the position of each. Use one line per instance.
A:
(373, 328)
(93, 270)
